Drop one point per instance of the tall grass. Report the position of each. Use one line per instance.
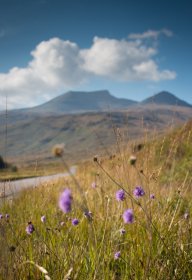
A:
(157, 245)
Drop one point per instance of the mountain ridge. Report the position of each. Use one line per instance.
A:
(75, 102)
(165, 98)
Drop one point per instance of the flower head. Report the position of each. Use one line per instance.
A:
(93, 185)
(117, 255)
(75, 222)
(122, 231)
(128, 216)
(132, 160)
(43, 219)
(88, 215)
(138, 192)
(65, 201)
(120, 195)
(1, 216)
(30, 228)
(152, 196)
(186, 215)
(58, 150)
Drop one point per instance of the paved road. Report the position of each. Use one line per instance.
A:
(10, 188)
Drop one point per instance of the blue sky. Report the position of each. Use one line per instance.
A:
(132, 48)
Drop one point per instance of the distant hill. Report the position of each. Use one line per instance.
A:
(79, 102)
(165, 98)
(85, 134)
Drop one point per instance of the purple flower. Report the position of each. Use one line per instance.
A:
(94, 185)
(186, 216)
(120, 195)
(75, 222)
(152, 196)
(122, 231)
(138, 192)
(65, 201)
(30, 228)
(1, 216)
(117, 255)
(7, 216)
(128, 216)
(43, 219)
(88, 215)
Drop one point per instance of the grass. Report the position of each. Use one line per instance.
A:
(157, 245)
(29, 171)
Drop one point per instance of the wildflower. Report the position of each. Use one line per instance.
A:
(186, 216)
(75, 222)
(152, 196)
(58, 150)
(88, 215)
(138, 192)
(95, 158)
(30, 228)
(122, 231)
(94, 185)
(117, 255)
(7, 216)
(43, 219)
(62, 224)
(132, 160)
(1, 216)
(128, 216)
(65, 201)
(120, 195)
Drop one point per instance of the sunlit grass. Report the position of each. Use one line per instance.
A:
(157, 245)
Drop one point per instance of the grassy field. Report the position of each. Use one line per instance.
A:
(31, 170)
(153, 240)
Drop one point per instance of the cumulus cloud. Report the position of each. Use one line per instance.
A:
(58, 65)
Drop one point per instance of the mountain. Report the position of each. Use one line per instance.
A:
(165, 98)
(79, 102)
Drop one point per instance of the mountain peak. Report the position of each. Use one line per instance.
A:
(165, 98)
(84, 101)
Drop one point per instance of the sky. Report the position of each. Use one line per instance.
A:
(132, 48)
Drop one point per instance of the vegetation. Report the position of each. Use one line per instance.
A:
(99, 238)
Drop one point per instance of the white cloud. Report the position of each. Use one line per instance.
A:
(58, 65)
(153, 34)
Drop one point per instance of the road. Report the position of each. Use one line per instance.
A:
(11, 188)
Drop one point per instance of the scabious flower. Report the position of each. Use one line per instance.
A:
(43, 219)
(65, 201)
(117, 255)
(152, 196)
(128, 216)
(75, 222)
(120, 195)
(186, 216)
(94, 185)
(122, 231)
(88, 215)
(138, 192)
(1, 216)
(30, 228)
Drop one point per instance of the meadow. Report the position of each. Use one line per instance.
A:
(126, 215)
